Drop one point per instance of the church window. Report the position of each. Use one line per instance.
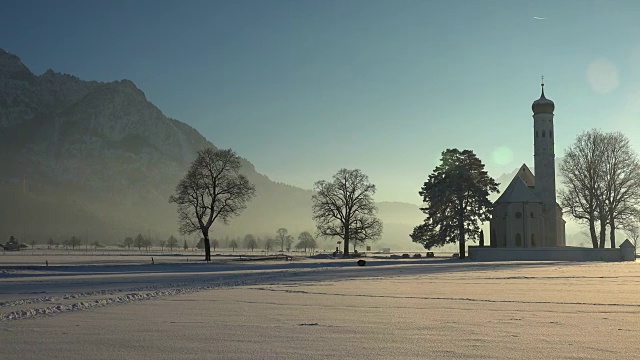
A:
(532, 215)
(533, 240)
(518, 215)
(518, 240)
(550, 133)
(543, 133)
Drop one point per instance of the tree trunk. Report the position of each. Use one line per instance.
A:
(461, 235)
(612, 229)
(592, 232)
(346, 243)
(603, 232)
(207, 248)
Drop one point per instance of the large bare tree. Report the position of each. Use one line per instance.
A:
(621, 181)
(601, 177)
(213, 189)
(344, 208)
(582, 179)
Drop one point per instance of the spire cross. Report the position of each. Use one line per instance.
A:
(542, 80)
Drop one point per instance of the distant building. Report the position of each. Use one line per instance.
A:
(527, 215)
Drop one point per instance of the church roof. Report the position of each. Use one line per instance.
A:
(521, 189)
(543, 105)
(526, 175)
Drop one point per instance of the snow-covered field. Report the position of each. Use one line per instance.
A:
(125, 307)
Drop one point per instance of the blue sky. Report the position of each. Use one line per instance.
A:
(303, 88)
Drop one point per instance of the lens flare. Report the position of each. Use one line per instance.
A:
(502, 155)
(602, 75)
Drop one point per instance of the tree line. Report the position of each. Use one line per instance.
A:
(600, 175)
(281, 241)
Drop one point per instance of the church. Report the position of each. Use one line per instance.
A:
(527, 215)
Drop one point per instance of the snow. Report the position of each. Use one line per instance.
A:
(320, 308)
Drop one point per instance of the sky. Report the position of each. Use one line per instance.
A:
(303, 88)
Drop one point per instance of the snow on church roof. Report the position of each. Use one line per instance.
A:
(521, 188)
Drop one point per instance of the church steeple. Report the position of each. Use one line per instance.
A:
(544, 157)
(543, 105)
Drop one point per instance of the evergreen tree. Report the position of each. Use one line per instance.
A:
(456, 201)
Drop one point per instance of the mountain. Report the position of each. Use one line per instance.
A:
(98, 160)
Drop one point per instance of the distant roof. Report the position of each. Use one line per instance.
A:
(520, 190)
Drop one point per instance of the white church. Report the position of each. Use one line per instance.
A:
(527, 215)
(526, 221)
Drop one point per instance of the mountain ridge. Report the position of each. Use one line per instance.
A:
(83, 155)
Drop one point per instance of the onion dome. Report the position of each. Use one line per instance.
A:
(543, 105)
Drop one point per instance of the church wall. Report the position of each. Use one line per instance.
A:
(513, 221)
(562, 241)
(548, 254)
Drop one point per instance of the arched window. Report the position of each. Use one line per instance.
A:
(533, 240)
(543, 133)
(518, 240)
(518, 214)
(532, 215)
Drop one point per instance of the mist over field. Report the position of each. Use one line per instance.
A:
(98, 160)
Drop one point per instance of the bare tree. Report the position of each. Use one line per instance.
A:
(344, 208)
(281, 238)
(75, 241)
(288, 242)
(268, 244)
(601, 178)
(128, 241)
(212, 189)
(139, 241)
(621, 181)
(306, 241)
(582, 177)
(250, 241)
(172, 242)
